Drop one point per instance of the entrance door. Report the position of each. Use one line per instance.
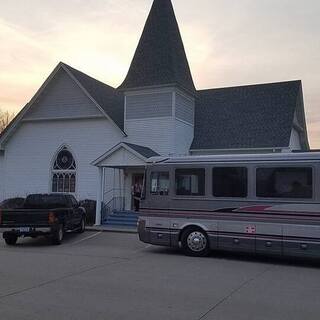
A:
(136, 187)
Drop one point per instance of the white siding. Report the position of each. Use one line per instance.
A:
(1, 176)
(149, 119)
(161, 119)
(295, 143)
(151, 105)
(184, 134)
(62, 98)
(157, 134)
(185, 108)
(30, 151)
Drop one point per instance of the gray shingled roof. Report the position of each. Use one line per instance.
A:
(256, 116)
(160, 58)
(110, 99)
(144, 151)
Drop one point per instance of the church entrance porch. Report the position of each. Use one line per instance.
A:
(120, 182)
(120, 202)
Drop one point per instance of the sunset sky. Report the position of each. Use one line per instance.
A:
(227, 42)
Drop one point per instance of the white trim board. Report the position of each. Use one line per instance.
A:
(114, 149)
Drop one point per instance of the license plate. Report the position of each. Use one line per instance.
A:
(24, 229)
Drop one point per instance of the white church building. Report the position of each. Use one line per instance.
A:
(82, 136)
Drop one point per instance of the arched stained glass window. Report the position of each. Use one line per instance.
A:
(64, 172)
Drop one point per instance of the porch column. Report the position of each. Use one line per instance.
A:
(99, 196)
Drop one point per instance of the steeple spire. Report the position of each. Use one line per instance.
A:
(160, 58)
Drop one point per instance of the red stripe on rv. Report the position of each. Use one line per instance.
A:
(253, 209)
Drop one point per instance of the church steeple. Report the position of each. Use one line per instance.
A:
(160, 58)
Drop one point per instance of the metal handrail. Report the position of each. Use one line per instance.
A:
(111, 206)
(113, 189)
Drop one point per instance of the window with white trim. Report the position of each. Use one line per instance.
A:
(64, 172)
(159, 183)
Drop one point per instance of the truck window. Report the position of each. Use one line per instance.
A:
(160, 183)
(284, 182)
(190, 182)
(45, 201)
(230, 182)
(72, 202)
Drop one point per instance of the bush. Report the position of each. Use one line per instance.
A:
(13, 203)
(90, 206)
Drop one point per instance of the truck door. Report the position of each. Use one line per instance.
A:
(76, 212)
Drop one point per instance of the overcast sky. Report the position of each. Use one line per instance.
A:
(228, 43)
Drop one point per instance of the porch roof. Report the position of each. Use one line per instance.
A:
(124, 155)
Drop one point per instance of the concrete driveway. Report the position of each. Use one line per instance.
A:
(114, 276)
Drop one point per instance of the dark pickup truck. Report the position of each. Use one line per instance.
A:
(49, 215)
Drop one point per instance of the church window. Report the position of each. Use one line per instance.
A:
(64, 172)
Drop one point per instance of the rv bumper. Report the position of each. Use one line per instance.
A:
(144, 233)
(159, 237)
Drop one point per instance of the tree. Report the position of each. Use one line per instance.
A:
(5, 119)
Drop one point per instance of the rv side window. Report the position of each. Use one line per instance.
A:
(230, 182)
(284, 182)
(190, 182)
(160, 183)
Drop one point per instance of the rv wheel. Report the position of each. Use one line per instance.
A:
(195, 242)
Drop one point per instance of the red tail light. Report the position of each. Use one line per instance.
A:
(51, 218)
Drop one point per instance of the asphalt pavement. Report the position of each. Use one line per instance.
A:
(102, 275)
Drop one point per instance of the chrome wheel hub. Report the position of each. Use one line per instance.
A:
(197, 241)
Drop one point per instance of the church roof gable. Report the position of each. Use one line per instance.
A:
(107, 97)
(138, 152)
(144, 151)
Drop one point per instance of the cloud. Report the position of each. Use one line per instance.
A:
(227, 42)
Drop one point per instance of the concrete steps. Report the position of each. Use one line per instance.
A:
(126, 219)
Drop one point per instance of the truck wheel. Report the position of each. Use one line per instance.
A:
(195, 242)
(11, 240)
(58, 234)
(82, 226)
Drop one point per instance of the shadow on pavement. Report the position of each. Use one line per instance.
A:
(244, 257)
(44, 241)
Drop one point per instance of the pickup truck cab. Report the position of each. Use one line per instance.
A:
(49, 215)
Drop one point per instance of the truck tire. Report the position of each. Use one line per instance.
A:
(195, 242)
(11, 240)
(58, 235)
(82, 226)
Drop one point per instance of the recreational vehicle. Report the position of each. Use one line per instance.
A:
(263, 203)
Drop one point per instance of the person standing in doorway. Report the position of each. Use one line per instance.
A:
(136, 193)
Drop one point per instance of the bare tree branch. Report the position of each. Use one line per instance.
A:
(5, 119)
